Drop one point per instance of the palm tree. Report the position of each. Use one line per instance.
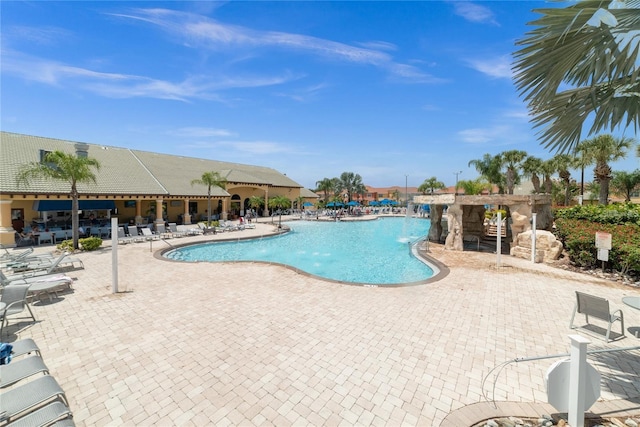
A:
(601, 150)
(624, 183)
(547, 169)
(473, 187)
(562, 164)
(512, 159)
(590, 49)
(532, 168)
(299, 202)
(61, 166)
(256, 202)
(210, 179)
(326, 186)
(431, 184)
(350, 183)
(279, 203)
(490, 168)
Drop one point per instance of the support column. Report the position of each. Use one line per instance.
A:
(138, 212)
(7, 233)
(454, 222)
(159, 218)
(226, 205)
(186, 217)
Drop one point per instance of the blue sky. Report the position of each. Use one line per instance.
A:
(311, 89)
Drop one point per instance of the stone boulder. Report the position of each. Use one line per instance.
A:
(548, 248)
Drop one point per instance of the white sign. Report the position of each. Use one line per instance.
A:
(603, 240)
(558, 385)
(603, 254)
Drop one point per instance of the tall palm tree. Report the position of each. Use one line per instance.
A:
(532, 168)
(326, 186)
(624, 183)
(563, 163)
(600, 151)
(278, 203)
(431, 184)
(490, 168)
(512, 159)
(61, 166)
(210, 179)
(349, 182)
(592, 49)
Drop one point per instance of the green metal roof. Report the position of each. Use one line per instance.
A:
(124, 171)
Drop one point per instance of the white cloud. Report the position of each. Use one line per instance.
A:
(201, 132)
(498, 67)
(196, 30)
(40, 35)
(484, 135)
(474, 12)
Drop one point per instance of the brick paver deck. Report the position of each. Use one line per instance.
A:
(254, 344)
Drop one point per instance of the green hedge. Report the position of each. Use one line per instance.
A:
(578, 236)
(616, 213)
(86, 244)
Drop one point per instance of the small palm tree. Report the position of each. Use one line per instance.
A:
(473, 187)
(210, 179)
(256, 202)
(490, 168)
(279, 203)
(624, 183)
(562, 164)
(532, 167)
(326, 186)
(60, 166)
(431, 184)
(600, 151)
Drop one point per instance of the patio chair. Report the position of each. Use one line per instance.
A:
(123, 239)
(55, 414)
(45, 237)
(43, 266)
(17, 371)
(24, 399)
(14, 255)
(15, 299)
(24, 240)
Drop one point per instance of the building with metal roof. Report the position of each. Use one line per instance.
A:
(131, 184)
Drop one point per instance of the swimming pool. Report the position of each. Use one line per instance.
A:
(364, 252)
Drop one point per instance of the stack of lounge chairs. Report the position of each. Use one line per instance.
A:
(29, 396)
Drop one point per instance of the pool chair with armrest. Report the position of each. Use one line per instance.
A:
(46, 266)
(133, 233)
(148, 234)
(23, 347)
(24, 399)
(18, 370)
(15, 254)
(15, 298)
(162, 231)
(123, 239)
(174, 230)
(55, 414)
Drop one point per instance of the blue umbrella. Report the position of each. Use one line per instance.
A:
(306, 204)
(385, 202)
(353, 203)
(334, 204)
(374, 203)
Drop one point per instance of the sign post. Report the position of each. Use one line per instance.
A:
(533, 237)
(603, 244)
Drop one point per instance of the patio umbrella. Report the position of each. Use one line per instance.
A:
(334, 204)
(307, 204)
(353, 203)
(374, 203)
(385, 202)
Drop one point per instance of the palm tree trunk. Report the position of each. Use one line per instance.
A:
(74, 215)
(603, 196)
(535, 180)
(209, 207)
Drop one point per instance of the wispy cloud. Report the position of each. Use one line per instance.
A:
(474, 12)
(498, 67)
(45, 36)
(203, 32)
(117, 85)
(201, 132)
(484, 135)
(304, 94)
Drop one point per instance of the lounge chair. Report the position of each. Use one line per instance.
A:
(24, 346)
(54, 414)
(24, 368)
(24, 240)
(123, 239)
(148, 235)
(14, 255)
(27, 398)
(15, 299)
(45, 266)
(162, 231)
(174, 230)
(133, 233)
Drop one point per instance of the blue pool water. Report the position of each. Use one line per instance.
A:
(367, 252)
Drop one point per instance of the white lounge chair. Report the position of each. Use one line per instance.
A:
(15, 299)
(148, 235)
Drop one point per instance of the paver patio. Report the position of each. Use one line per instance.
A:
(255, 344)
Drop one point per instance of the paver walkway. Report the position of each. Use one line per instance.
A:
(253, 344)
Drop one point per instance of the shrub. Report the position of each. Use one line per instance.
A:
(87, 244)
(616, 213)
